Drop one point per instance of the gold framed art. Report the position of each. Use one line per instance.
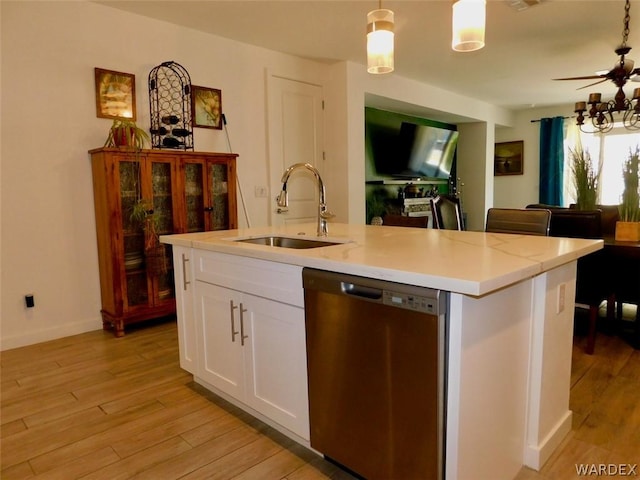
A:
(115, 94)
(508, 158)
(206, 107)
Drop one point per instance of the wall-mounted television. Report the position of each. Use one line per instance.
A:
(400, 147)
(425, 151)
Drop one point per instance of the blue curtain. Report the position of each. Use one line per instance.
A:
(551, 160)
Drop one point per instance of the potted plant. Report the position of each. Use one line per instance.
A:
(125, 133)
(376, 208)
(585, 180)
(628, 227)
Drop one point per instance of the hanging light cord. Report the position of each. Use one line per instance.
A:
(244, 207)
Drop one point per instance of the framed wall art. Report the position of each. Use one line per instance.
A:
(206, 107)
(115, 94)
(509, 158)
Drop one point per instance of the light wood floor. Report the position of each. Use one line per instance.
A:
(95, 407)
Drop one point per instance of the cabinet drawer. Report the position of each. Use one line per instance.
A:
(276, 281)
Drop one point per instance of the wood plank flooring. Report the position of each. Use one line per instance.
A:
(93, 406)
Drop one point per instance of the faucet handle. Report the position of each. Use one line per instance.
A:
(282, 199)
(326, 214)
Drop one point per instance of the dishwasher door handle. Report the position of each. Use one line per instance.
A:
(360, 291)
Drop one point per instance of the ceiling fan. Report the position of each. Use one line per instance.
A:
(623, 70)
(602, 113)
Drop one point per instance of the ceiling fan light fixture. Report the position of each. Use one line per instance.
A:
(620, 111)
(380, 38)
(468, 25)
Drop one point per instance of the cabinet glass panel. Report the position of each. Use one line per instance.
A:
(220, 212)
(162, 200)
(194, 193)
(133, 235)
(137, 293)
(165, 285)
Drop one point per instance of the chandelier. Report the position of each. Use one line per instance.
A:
(604, 115)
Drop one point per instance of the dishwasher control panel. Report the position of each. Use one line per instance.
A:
(416, 303)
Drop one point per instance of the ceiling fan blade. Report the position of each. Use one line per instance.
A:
(592, 84)
(587, 77)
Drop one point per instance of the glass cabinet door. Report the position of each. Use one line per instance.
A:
(219, 191)
(133, 234)
(194, 186)
(158, 256)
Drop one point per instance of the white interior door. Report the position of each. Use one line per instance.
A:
(295, 136)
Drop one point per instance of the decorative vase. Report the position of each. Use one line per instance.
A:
(123, 136)
(376, 221)
(627, 231)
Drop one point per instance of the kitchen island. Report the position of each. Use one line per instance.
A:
(510, 326)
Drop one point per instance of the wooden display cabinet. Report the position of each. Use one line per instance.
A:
(182, 192)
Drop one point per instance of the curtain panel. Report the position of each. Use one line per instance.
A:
(551, 160)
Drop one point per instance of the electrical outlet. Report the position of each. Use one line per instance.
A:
(260, 191)
(562, 288)
(29, 300)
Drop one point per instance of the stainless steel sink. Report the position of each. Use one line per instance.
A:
(288, 242)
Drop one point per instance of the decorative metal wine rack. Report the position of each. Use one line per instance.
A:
(170, 107)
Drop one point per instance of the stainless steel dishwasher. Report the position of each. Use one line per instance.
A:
(376, 366)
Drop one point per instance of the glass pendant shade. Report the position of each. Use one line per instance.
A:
(468, 25)
(380, 41)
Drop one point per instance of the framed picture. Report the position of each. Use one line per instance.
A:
(206, 107)
(115, 94)
(508, 158)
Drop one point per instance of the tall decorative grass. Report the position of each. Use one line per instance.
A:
(630, 204)
(585, 180)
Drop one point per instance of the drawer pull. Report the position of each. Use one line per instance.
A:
(233, 326)
(242, 335)
(185, 282)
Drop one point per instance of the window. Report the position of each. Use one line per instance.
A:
(608, 153)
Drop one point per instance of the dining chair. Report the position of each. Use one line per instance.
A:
(627, 293)
(572, 223)
(518, 220)
(446, 212)
(595, 280)
(405, 221)
(610, 215)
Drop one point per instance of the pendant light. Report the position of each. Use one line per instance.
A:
(468, 25)
(380, 41)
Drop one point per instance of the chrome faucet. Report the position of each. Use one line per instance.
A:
(283, 197)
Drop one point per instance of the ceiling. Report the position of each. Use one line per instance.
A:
(524, 49)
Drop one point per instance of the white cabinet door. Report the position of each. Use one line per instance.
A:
(220, 352)
(276, 362)
(184, 286)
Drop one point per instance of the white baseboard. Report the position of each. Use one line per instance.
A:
(535, 456)
(53, 333)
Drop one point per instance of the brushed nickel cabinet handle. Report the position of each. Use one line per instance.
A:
(233, 326)
(242, 335)
(185, 282)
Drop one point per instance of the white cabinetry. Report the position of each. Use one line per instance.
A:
(251, 336)
(184, 284)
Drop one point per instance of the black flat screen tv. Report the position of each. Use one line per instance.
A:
(427, 151)
(415, 151)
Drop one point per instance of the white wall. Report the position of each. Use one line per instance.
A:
(517, 191)
(475, 170)
(413, 98)
(49, 51)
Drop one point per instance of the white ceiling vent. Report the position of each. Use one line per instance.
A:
(519, 5)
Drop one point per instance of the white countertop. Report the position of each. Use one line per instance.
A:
(471, 263)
